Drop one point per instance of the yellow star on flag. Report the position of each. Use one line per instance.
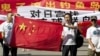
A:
(30, 22)
(22, 26)
(32, 30)
(33, 25)
(29, 33)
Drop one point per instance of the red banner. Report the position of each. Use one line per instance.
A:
(11, 5)
(36, 34)
(84, 26)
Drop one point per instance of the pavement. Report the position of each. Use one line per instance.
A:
(33, 52)
(81, 52)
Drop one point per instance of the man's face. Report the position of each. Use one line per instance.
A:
(94, 22)
(9, 16)
(67, 18)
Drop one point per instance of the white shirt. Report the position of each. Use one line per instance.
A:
(68, 36)
(7, 29)
(93, 33)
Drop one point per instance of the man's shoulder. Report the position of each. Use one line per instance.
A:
(75, 23)
(4, 22)
(89, 28)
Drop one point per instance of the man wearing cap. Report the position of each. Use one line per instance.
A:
(93, 37)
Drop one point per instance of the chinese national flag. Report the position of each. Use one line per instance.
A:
(36, 34)
(83, 26)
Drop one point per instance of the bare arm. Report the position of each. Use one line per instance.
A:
(3, 36)
(91, 44)
(62, 37)
(71, 26)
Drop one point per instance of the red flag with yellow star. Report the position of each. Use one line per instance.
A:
(36, 34)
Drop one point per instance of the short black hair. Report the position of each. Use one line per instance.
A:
(93, 18)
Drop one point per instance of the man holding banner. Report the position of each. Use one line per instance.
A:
(6, 29)
(93, 37)
(68, 36)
